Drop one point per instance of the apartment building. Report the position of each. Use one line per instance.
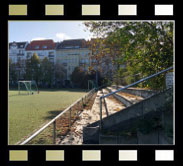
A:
(73, 53)
(43, 48)
(17, 51)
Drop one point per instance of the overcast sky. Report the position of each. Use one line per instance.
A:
(56, 30)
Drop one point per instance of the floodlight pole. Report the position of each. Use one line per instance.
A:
(31, 86)
(18, 87)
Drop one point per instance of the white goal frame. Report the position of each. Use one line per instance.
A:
(29, 89)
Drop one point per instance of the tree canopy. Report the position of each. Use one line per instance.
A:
(142, 47)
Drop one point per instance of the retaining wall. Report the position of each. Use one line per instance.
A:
(151, 105)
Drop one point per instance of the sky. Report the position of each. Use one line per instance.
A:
(39, 30)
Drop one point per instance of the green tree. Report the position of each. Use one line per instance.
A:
(47, 73)
(12, 73)
(143, 47)
(60, 74)
(32, 69)
(77, 77)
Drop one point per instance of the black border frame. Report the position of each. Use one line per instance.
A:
(73, 154)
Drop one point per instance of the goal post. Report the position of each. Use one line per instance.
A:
(28, 87)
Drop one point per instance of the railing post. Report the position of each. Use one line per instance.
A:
(70, 118)
(78, 107)
(87, 97)
(106, 107)
(82, 104)
(100, 113)
(54, 132)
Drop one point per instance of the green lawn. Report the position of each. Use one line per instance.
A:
(29, 112)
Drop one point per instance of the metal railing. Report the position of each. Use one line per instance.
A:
(82, 100)
(130, 85)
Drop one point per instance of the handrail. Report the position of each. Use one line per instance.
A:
(52, 121)
(137, 82)
(130, 85)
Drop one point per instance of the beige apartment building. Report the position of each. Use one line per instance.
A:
(73, 53)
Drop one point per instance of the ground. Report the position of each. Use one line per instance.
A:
(28, 113)
(89, 115)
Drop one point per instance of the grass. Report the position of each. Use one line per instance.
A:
(28, 113)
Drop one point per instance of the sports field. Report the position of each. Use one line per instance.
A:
(29, 112)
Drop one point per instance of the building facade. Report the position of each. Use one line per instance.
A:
(17, 51)
(68, 54)
(72, 54)
(43, 48)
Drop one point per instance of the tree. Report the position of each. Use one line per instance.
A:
(28, 69)
(60, 74)
(47, 72)
(143, 47)
(32, 69)
(78, 77)
(100, 61)
(12, 73)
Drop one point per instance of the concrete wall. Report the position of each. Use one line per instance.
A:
(156, 137)
(117, 139)
(139, 92)
(91, 135)
(152, 105)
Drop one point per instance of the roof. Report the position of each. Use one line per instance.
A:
(73, 43)
(19, 44)
(41, 45)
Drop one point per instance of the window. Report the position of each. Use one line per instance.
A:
(44, 47)
(14, 46)
(13, 51)
(86, 60)
(51, 53)
(20, 52)
(36, 47)
(51, 59)
(40, 54)
(29, 54)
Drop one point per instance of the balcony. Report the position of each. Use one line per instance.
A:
(12, 54)
(82, 63)
(20, 54)
(51, 56)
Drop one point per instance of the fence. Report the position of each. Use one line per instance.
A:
(64, 120)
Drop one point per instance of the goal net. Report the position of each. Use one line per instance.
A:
(27, 87)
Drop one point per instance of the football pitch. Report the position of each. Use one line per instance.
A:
(27, 113)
